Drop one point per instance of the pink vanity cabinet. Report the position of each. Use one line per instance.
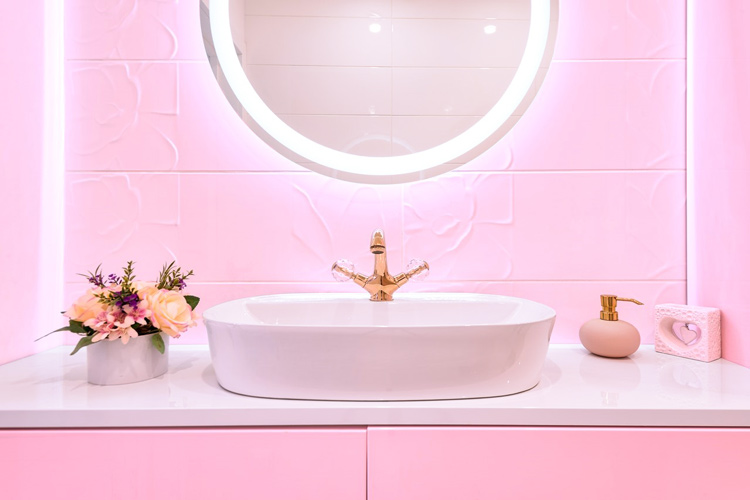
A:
(539, 463)
(184, 464)
(376, 463)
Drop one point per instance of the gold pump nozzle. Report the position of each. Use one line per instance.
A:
(609, 306)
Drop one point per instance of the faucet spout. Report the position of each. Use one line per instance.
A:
(380, 275)
(381, 285)
(377, 242)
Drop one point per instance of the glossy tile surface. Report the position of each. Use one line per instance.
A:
(469, 9)
(133, 29)
(119, 109)
(317, 41)
(603, 115)
(482, 213)
(319, 90)
(458, 43)
(448, 91)
(360, 8)
(632, 29)
(577, 389)
(212, 208)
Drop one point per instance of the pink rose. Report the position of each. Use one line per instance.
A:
(86, 307)
(111, 324)
(170, 311)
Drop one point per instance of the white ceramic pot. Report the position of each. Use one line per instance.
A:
(113, 363)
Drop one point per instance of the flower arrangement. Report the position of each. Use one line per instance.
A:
(119, 307)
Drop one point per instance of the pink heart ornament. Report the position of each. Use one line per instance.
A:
(687, 333)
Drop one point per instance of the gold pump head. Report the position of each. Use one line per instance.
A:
(609, 306)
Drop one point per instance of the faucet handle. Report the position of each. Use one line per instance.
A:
(343, 270)
(417, 269)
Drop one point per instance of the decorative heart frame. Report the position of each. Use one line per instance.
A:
(688, 331)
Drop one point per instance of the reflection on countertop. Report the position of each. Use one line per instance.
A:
(49, 390)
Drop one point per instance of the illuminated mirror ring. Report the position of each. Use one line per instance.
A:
(387, 169)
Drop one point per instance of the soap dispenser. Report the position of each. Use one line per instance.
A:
(609, 336)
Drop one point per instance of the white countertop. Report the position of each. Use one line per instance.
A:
(49, 390)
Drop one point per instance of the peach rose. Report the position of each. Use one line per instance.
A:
(170, 311)
(140, 285)
(86, 307)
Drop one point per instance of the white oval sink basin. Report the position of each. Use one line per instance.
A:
(345, 347)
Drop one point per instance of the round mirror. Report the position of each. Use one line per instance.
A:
(380, 91)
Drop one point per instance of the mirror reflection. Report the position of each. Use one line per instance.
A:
(378, 78)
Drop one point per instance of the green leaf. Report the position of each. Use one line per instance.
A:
(85, 341)
(192, 301)
(73, 326)
(158, 342)
(77, 327)
(63, 329)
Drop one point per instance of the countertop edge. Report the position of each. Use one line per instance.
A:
(49, 391)
(284, 417)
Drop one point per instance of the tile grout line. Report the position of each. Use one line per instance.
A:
(308, 172)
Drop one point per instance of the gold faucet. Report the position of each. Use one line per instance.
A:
(381, 285)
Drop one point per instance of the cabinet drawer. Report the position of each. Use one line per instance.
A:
(258, 464)
(480, 463)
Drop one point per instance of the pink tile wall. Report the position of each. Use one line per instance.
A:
(22, 88)
(720, 169)
(585, 196)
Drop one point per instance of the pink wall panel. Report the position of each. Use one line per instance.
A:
(118, 109)
(585, 194)
(602, 115)
(133, 29)
(281, 464)
(152, 116)
(539, 226)
(720, 170)
(527, 463)
(22, 165)
(633, 29)
(230, 227)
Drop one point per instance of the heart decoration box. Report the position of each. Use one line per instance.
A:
(688, 331)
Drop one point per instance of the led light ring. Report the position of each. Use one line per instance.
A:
(379, 169)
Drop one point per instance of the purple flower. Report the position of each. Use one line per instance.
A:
(131, 300)
(113, 278)
(181, 284)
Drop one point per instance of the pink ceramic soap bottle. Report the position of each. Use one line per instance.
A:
(609, 336)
